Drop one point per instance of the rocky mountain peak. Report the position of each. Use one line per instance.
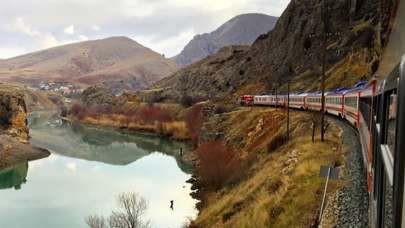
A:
(240, 30)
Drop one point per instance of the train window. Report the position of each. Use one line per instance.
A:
(351, 102)
(365, 108)
(392, 115)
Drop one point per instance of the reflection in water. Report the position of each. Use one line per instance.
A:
(96, 144)
(88, 168)
(14, 177)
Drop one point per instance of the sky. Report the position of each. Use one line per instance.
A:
(165, 26)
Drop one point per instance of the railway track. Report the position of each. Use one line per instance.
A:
(348, 207)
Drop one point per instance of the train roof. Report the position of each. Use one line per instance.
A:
(341, 91)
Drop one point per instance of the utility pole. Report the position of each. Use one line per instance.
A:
(324, 19)
(288, 110)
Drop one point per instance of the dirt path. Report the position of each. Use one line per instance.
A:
(349, 206)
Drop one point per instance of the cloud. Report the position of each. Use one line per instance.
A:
(169, 46)
(71, 166)
(49, 41)
(46, 40)
(95, 28)
(83, 38)
(8, 52)
(21, 26)
(70, 30)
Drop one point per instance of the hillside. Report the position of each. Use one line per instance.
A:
(112, 59)
(291, 52)
(240, 30)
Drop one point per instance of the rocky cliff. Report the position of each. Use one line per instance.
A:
(13, 113)
(292, 52)
(240, 30)
(14, 133)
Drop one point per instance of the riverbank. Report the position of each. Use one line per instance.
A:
(13, 152)
(14, 133)
(183, 154)
(174, 130)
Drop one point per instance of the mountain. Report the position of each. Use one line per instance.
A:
(116, 59)
(290, 52)
(240, 30)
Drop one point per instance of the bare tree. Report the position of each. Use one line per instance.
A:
(316, 120)
(131, 209)
(95, 221)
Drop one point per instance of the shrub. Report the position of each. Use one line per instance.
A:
(276, 142)
(218, 164)
(220, 108)
(186, 101)
(194, 121)
(78, 111)
(151, 114)
(177, 129)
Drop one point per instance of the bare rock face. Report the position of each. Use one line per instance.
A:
(14, 133)
(240, 30)
(13, 114)
(292, 52)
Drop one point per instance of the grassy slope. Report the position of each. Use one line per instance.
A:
(283, 188)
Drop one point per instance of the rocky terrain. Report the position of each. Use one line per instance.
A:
(14, 133)
(240, 30)
(118, 61)
(291, 52)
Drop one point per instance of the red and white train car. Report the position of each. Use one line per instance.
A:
(297, 101)
(351, 107)
(270, 100)
(313, 102)
(334, 104)
(264, 100)
(246, 100)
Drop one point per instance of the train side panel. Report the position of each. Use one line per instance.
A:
(297, 102)
(351, 108)
(334, 105)
(314, 103)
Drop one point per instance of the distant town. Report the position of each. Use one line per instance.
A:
(66, 89)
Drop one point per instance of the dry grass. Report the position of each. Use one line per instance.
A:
(283, 188)
(250, 88)
(175, 129)
(346, 73)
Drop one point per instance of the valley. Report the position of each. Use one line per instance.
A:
(234, 128)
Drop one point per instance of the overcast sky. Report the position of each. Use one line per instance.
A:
(166, 26)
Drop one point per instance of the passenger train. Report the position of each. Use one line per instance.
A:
(377, 110)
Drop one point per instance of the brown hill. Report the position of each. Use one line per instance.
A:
(112, 59)
(292, 52)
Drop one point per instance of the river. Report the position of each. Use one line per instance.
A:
(88, 168)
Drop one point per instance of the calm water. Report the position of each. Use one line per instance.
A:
(88, 168)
